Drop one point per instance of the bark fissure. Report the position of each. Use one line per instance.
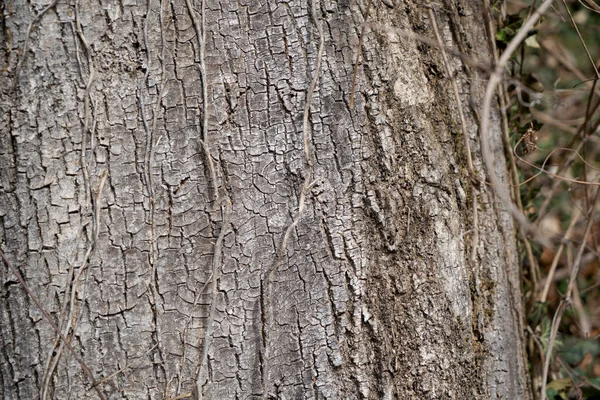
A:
(258, 237)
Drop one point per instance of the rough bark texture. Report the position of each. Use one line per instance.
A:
(153, 158)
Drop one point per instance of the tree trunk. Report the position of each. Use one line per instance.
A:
(193, 231)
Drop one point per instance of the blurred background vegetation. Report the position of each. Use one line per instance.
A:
(552, 95)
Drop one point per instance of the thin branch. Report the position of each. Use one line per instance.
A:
(109, 377)
(568, 296)
(27, 36)
(514, 177)
(69, 323)
(486, 152)
(200, 28)
(466, 141)
(587, 52)
(585, 132)
(564, 241)
(358, 51)
(303, 189)
(542, 169)
(87, 95)
(590, 5)
(216, 269)
(39, 306)
(147, 170)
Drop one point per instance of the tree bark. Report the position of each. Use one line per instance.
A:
(193, 231)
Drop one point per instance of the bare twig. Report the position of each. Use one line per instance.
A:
(39, 306)
(87, 96)
(358, 51)
(587, 52)
(200, 28)
(568, 295)
(574, 373)
(514, 174)
(564, 241)
(487, 154)
(54, 354)
(109, 377)
(542, 169)
(551, 121)
(35, 19)
(585, 325)
(466, 141)
(556, 50)
(548, 356)
(590, 5)
(308, 172)
(585, 132)
(306, 140)
(71, 321)
(216, 270)
(147, 169)
(537, 341)
(185, 330)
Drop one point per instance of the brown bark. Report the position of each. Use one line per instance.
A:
(192, 235)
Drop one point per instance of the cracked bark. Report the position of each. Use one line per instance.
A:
(195, 111)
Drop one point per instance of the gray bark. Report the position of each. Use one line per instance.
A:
(153, 159)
